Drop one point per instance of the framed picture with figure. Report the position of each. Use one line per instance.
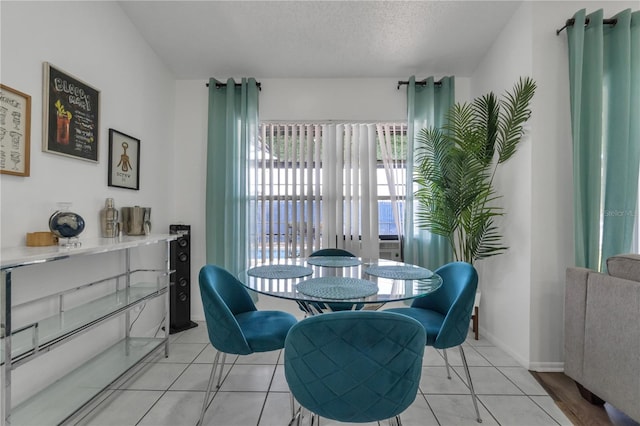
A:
(71, 115)
(124, 160)
(15, 131)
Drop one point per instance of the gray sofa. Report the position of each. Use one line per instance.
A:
(602, 333)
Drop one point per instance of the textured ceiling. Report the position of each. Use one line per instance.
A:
(319, 39)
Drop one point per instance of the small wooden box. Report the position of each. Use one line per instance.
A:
(41, 239)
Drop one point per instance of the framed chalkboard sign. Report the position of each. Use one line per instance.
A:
(71, 110)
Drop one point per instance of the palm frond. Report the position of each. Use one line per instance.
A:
(514, 113)
(486, 118)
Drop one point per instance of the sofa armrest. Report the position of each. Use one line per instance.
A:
(575, 304)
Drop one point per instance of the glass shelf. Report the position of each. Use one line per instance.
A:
(60, 400)
(61, 326)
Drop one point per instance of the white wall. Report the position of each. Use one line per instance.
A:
(280, 99)
(190, 163)
(552, 186)
(97, 43)
(504, 279)
(333, 99)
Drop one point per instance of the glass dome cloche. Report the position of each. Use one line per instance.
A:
(66, 225)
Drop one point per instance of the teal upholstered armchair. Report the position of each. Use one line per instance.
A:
(234, 324)
(445, 313)
(355, 366)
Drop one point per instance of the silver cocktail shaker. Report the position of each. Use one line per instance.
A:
(109, 220)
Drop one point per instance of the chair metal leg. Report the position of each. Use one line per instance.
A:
(209, 384)
(295, 420)
(446, 362)
(314, 419)
(224, 359)
(474, 398)
(296, 414)
(394, 421)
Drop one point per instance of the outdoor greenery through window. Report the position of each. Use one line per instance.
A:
(325, 185)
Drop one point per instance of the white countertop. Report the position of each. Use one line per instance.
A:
(22, 256)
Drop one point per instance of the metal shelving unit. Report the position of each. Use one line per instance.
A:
(65, 397)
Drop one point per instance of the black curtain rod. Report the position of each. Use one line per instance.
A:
(419, 83)
(219, 85)
(572, 21)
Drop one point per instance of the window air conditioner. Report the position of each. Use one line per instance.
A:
(390, 249)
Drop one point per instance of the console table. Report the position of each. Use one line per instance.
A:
(122, 292)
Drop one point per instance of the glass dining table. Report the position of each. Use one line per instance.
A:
(318, 282)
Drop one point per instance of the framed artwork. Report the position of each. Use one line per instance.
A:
(124, 160)
(71, 110)
(15, 131)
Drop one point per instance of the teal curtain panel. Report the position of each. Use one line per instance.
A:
(427, 106)
(604, 74)
(232, 129)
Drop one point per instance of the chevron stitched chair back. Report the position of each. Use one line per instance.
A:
(357, 366)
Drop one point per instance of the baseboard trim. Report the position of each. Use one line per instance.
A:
(547, 367)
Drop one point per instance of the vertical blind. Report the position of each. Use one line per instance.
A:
(318, 185)
(393, 145)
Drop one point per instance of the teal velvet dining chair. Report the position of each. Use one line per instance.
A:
(355, 366)
(234, 324)
(335, 306)
(445, 314)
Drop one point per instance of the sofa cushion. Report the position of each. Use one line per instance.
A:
(625, 266)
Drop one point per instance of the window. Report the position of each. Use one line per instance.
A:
(292, 186)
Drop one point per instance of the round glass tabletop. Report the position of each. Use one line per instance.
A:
(362, 280)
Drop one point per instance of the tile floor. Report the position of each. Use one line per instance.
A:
(170, 391)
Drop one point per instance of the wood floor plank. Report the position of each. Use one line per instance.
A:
(565, 393)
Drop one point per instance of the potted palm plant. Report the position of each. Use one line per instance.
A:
(456, 166)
